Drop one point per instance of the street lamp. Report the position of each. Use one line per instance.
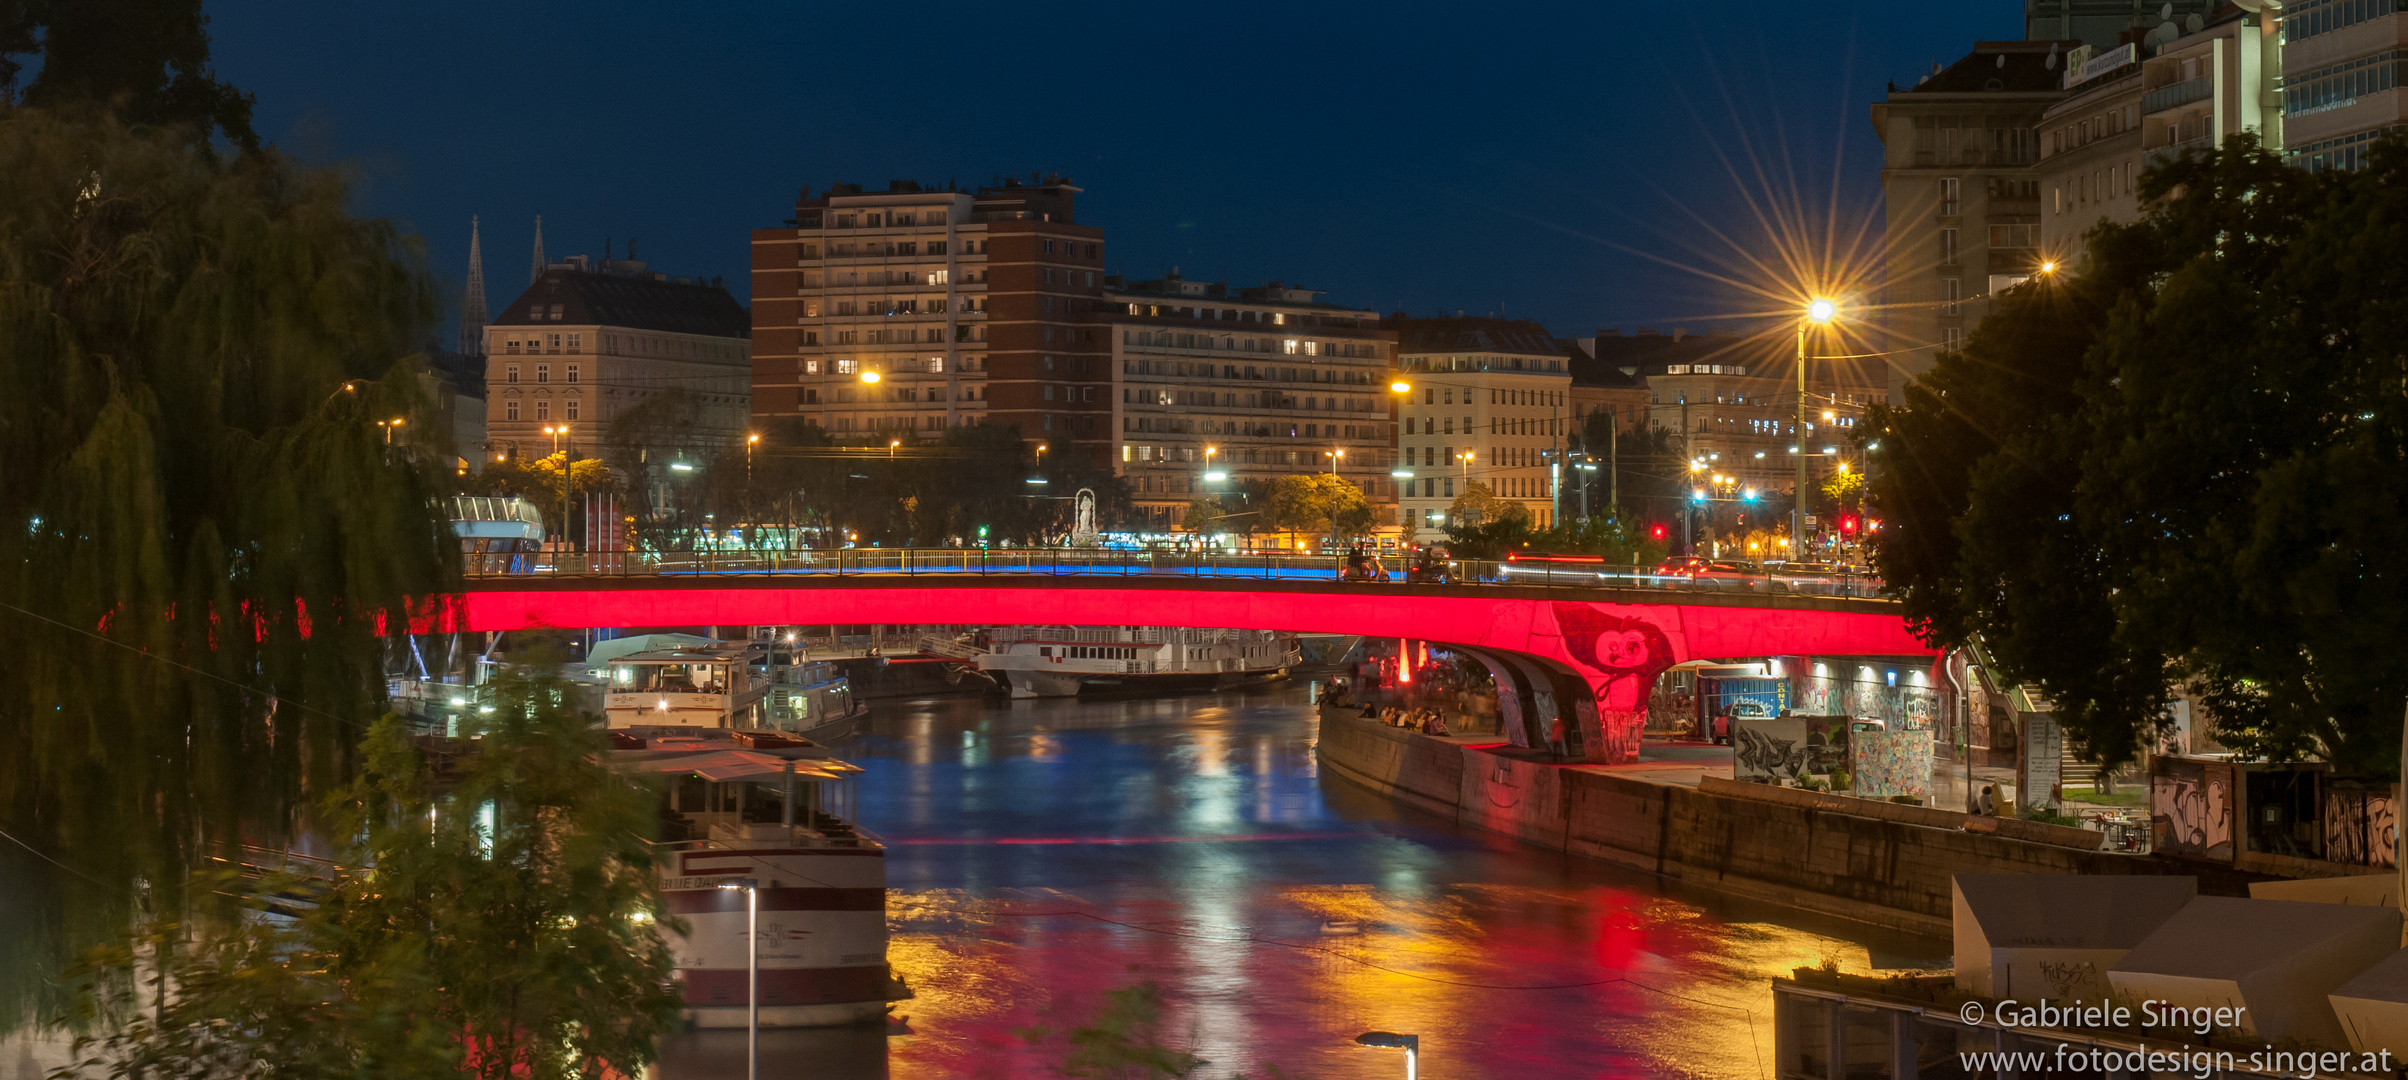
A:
(1820, 311)
(869, 376)
(1389, 1040)
(389, 425)
(891, 446)
(567, 460)
(1334, 456)
(752, 972)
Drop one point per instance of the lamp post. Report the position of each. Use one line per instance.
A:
(389, 425)
(567, 467)
(1389, 1040)
(752, 972)
(1819, 312)
(893, 445)
(1335, 457)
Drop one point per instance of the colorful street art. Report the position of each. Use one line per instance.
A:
(2190, 808)
(1890, 763)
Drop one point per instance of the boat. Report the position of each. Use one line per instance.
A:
(812, 698)
(773, 810)
(679, 681)
(1064, 661)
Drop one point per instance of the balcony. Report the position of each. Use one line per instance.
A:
(2174, 152)
(2179, 94)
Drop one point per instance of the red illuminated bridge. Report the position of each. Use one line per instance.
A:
(1587, 649)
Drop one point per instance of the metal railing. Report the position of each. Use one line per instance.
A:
(1089, 562)
(2181, 93)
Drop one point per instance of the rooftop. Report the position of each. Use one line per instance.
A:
(623, 293)
(1999, 67)
(1444, 334)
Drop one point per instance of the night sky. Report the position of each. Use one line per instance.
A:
(1570, 163)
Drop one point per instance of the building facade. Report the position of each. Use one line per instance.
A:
(1732, 403)
(899, 313)
(2104, 24)
(2341, 65)
(588, 341)
(2090, 153)
(1218, 387)
(1961, 192)
(1491, 403)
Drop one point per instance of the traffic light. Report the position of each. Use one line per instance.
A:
(1655, 531)
(1847, 524)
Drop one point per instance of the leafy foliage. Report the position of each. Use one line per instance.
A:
(145, 60)
(509, 928)
(1319, 503)
(204, 528)
(2184, 463)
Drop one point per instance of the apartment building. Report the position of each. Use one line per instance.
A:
(899, 313)
(2341, 66)
(2090, 153)
(590, 340)
(1491, 402)
(2105, 24)
(1961, 192)
(1218, 386)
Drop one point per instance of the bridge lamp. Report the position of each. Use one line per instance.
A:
(1400, 386)
(1821, 310)
(868, 376)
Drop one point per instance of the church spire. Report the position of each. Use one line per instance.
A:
(473, 315)
(537, 270)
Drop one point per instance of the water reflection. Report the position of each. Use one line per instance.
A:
(1048, 851)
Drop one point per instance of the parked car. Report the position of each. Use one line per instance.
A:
(1719, 729)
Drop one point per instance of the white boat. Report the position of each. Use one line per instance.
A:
(1063, 661)
(812, 698)
(772, 809)
(677, 680)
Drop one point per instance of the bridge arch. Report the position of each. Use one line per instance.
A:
(1588, 655)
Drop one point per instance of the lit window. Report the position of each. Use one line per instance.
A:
(847, 366)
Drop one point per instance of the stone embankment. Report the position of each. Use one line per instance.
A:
(1880, 863)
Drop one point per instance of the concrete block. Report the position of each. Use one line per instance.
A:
(2054, 937)
(2280, 960)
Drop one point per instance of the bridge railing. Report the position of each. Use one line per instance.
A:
(1090, 562)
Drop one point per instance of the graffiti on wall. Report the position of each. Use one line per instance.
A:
(1768, 749)
(1889, 763)
(2358, 827)
(2190, 807)
(1620, 658)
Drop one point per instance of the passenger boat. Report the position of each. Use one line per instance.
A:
(680, 680)
(1063, 661)
(775, 810)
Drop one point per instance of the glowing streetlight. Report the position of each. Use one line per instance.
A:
(389, 425)
(1400, 386)
(1819, 311)
(893, 445)
(1334, 456)
(868, 376)
(2049, 266)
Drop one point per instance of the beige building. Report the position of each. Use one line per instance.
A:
(589, 341)
(1491, 402)
(1219, 386)
(2090, 150)
(1961, 191)
(2340, 62)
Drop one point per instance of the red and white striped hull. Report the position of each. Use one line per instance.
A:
(822, 930)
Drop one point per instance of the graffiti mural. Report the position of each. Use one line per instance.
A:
(1890, 763)
(1620, 658)
(2358, 827)
(2073, 980)
(2190, 808)
(1768, 750)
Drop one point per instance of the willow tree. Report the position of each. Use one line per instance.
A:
(204, 531)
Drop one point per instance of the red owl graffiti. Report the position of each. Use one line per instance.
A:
(1611, 643)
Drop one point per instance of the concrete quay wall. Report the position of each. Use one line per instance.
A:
(1887, 865)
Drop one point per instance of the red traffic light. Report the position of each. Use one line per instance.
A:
(1847, 524)
(1655, 532)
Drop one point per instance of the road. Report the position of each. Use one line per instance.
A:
(1047, 852)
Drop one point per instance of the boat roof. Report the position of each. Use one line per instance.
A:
(681, 656)
(723, 766)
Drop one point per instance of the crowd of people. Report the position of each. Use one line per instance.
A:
(1425, 721)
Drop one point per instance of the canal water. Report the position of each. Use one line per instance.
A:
(1046, 853)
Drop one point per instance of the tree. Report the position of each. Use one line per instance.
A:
(538, 481)
(208, 538)
(147, 61)
(1204, 516)
(508, 927)
(1482, 526)
(2182, 464)
(1319, 501)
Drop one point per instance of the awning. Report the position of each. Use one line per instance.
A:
(725, 766)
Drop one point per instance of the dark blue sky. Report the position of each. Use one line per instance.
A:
(1511, 157)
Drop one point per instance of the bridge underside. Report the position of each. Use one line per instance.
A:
(1589, 656)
